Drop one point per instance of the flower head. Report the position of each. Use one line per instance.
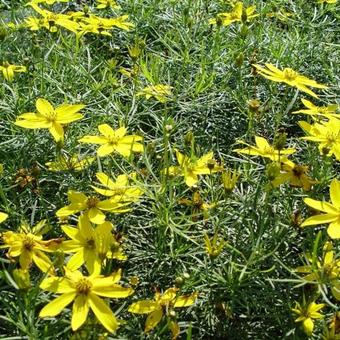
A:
(290, 77)
(331, 211)
(307, 314)
(265, 150)
(9, 70)
(162, 303)
(50, 118)
(162, 93)
(28, 245)
(91, 245)
(85, 292)
(313, 110)
(114, 141)
(71, 163)
(213, 246)
(92, 206)
(102, 4)
(191, 167)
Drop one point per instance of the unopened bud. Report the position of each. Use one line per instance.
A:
(272, 170)
(280, 141)
(22, 278)
(239, 60)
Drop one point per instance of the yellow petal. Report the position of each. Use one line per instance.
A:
(42, 261)
(80, 311)
(319, 219)
(44, 107)
(76, 260)
(96, 216)
(114, 291)
(153, 319)
(334, 230)
(105, 150)
(3, 217)
(144, 307)
(185, 301)
(308, 326)
(106, 130)
(334, 191)
(103, 313)
(57, 131)
(57, 305)
(321, 206)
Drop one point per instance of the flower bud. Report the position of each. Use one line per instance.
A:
(22, 278)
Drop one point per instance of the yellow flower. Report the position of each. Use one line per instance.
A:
(85, 292)
(213, 246)
(229, 179)
(289, 77)
(294, 174)
(162, 303)
(114, 141)
(332, 332)
(91, 206)
(306, 314)
(327, 1)
(162, 93)
(46, 2)
(238, 11)
(28, 245)
(50, 118)
(8, 70)
(50, 21)
(90, 245)
(331, 211)
(119, 190)
(325, 133)
(191, 168)
(102, 4)
(313, 110)
(264, 149)
(3, 217)
(74, 163)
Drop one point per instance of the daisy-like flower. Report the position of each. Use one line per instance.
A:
(326, 133)
(91, 245)
(331, 211)
(162, 93)
(290, 77)
(307, 314)
(50, 118)
(3, 217)
(114, 141)
(120, 190)
(102, 4)
(162, 303)
(227, 18)
(213, 246)
(85, 292)
(295, 175)
(9, 70)
(91, 206)
(73, 163)
(28, 245)
(191, 167)
(313, 110)
(265, 150)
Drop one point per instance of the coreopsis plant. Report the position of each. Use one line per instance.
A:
(71, 163)
(50, 118)
(3, 217)
(191, 167)
(85, 292)
(160, 92)
(295, 175)
(29, 246)
(102, 4)
(265, 150)
(306, 314)
(92, 206)
(326, 133)
(238, 14)
(90, 245)
(290, 77)
(331, 211)
(9, 70)
(314, 110)
(121, 190)
(162, 303)
(114, 141)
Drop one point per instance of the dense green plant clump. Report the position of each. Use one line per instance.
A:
(169, 169)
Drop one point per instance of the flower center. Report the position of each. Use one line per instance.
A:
(289, 74)
(90, 243)
(92, 202)
(28, 243)
(298, 171)
(83, 286)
